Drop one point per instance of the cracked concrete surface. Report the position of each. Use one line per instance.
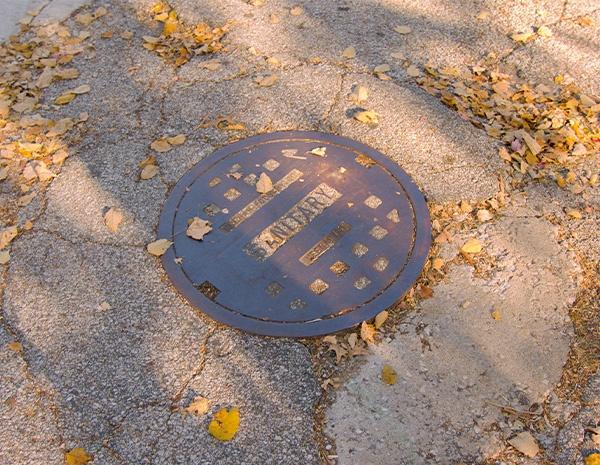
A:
(116, 379)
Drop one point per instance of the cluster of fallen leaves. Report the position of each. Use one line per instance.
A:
(178, 43)
(543, 127)
(32, 145)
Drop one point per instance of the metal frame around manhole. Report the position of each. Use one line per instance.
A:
(386, 297)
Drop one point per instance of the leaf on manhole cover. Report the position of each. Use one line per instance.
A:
(264, 184)
(159, 247)
(319, 151)
(367, 117)
(199, 406)
(113, 218)
(525, 443)
(198, 228)
(380, 319)
(77, 456)
(225, 424)
(367, 332)
(472, 246)
(388, 375)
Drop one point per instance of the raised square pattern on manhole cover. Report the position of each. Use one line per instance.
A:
(341, 235)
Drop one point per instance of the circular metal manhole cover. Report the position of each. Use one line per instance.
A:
(342, 234)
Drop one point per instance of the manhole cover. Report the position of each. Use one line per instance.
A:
(342, 234)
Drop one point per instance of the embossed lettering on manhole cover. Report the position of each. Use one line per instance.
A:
(338, 234)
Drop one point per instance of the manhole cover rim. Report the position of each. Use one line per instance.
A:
(387, 298)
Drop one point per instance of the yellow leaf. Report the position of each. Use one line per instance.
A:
(585, 21)
(77, 456)
(113, 218)
(64, 98)
(198, 228)
(160, 146)
(171, 24)
(264, 184)
(367, 117)
(318, 151)
(159, 247)
(367, 332)
(496, 315)
(592, 459)
(472, 246)
(388, 375)
(437, 263)
(544, 31)
(267, 81)
(380, 319)
(199, 406)
(522, 36)
(532, 144)
(403, 30)
(349, 53)
(297, 11)
(176, 140)
(15, 346)
(575, 214)
(225, 424)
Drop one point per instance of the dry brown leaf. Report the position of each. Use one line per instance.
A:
(297, 10)
(199, 406)
(388, 375)
(413, 71)
(496, 314)
(158, 247)
(264, 184)
(437, 263)
(64, 98)
(67, 73)
(403, 30)
(384, 68)
(484, 215)
(126, 35)
(7, 235)
(585, 21)
(148, 172)
(522, 37)
(472, 246)
(15, 346)
(4, 257)
(367, 332)
(267, 81)
(525, 443)
(150, 160)
(198, 228)
(113, 218)
(359, 94)
(161, 145)
(319, 151)
(380, 319)
(573, 213)
(77, 456)
(484, 15)
(349, 53)
(367, 117)
(83, 89)
(176, 140)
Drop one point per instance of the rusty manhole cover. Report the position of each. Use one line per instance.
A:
(341, 236)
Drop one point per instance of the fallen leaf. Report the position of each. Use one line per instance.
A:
(77, 456)
(267, 81)
(496, 314)
(367, 117)
(264, 184)
(384, 68)
(83, 89)
(104, 306)
(67, 73)
(388, 375)
(367, 332)
(15, 346)
(64, 98)
(482, 16)
(158, 247)
(148, 172)
(522, 36)
(349, 53)
(437, 263)
(484, 215)
(531, 143)
(544, 31)
(425, 292)
(84, 19)
(525, 443)
(575, 214)
(585, 21)
(4, 257)
(359, 94)
(472, 246)
(318, 151)
(403, 30)
(126, 35)
(297, 10)
(413, 71)
(7, 235)
(113, 218)
(198, 228)
(592, 459)
(199, 406)
(160, 146)
(380, 319)
(100, 11)
(150, 160)
(225, 424)
(176, 140)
